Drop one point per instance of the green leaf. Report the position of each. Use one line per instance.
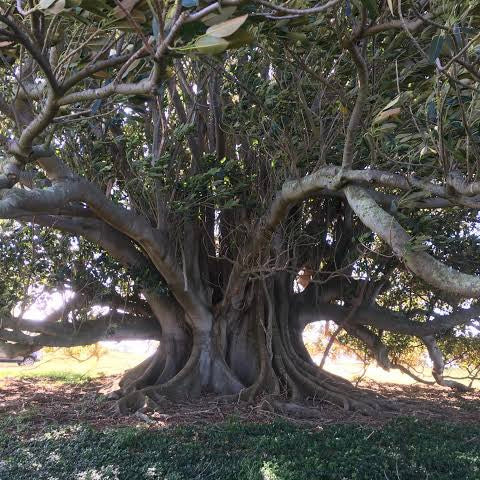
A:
(97, 7)
(227, 28)
(436, 47)
(458, 36)
(131, 67)
(155, 27)
(231, 203)
(392, 103)
(209, 45)
(387, 127)
(189, 3)
(57, 8)
(390, 6)
(240, 38)
(214, 18)
(44, 4)
(297, 36)
(372, 8)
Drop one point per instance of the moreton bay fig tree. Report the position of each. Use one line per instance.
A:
(218, 175)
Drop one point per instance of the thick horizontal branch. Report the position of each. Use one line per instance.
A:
(385, 319)
(143, 87)
(326, 177)
(399, 323)
(13, 350)
(115, 326)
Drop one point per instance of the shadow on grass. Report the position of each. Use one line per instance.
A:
(404, 449)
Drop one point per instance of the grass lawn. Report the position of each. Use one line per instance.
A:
(58, 366)
(54, 425)
(403, 449)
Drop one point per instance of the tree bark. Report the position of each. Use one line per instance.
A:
(244, 355)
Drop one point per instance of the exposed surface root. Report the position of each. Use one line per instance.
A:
(277, 366)
(49, 402)
(204, 372)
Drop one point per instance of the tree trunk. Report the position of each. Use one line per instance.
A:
(245, 354)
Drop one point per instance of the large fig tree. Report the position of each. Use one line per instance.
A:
(218, 175)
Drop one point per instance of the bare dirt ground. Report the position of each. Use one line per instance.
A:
(43, 403)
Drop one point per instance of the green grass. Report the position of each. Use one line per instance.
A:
(59, 376)
(405, 449)
(60, 368)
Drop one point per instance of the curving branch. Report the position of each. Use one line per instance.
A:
(327, 177)
(436, 356)
(299, 11)
(373, 342)
(19, 203)
(97, 231)
(24, 146)
(428, 268)
(22, 37)
(360, 102)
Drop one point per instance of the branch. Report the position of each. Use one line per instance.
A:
(114, 326)
(13, 350)
(436, 356)
(24, 146)
(362, 97)
(298, 11)
(458, 182)
(411, 26)
(408, 372)
(323, 179)
(117, 245)
(142, 87)
(385, 319)
(428, 268)
(373, 342)
(19, 203)
(34, 51)
(77, 77)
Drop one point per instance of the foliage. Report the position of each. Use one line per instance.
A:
(406, 448)
(55, 375)
(80, 353)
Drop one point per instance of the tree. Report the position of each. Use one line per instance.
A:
(218, 175)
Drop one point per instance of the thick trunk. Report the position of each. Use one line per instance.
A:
(245, 355)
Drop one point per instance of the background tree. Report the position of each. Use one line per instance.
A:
(219, 175)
